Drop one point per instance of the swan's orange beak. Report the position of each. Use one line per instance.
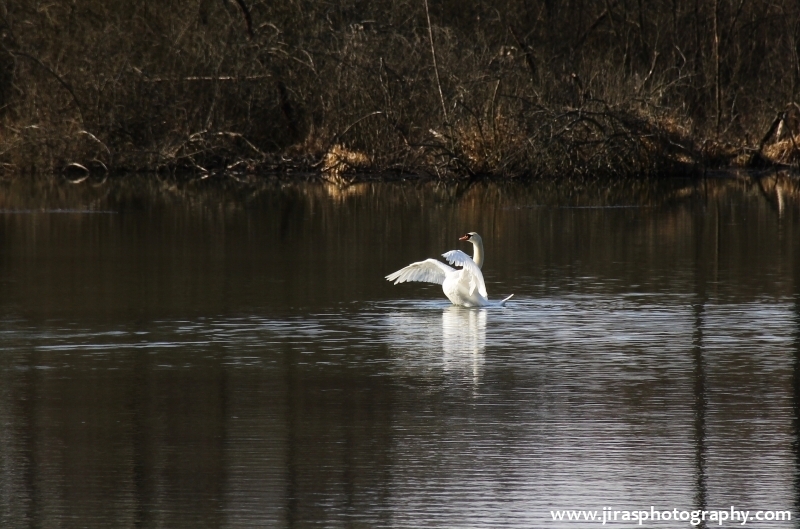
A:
(464, 237)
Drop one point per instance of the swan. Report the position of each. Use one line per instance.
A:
(462, 286)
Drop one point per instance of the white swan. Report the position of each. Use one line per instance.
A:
(462, 287)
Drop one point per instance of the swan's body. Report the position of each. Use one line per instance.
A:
(463, 286)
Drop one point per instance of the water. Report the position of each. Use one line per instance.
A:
(214, 357)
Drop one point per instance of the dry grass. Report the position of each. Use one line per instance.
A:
(339, 161)
(785, 152)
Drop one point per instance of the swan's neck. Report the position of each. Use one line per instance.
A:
(477, 255)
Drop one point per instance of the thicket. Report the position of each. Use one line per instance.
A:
(509, 87)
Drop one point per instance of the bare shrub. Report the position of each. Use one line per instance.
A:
(210, 88)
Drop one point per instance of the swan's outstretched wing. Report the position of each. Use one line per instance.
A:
(459, 258)
(428, 271)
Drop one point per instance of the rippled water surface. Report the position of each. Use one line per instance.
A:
(212, 357)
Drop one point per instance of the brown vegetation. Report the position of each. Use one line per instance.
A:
(509, 88)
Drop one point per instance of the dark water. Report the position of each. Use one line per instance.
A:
(208, 357)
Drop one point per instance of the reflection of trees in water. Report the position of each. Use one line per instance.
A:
(699, 375)
(796, 370)
(700, 407)
(475, 197)
(796, 391)
(780, 190)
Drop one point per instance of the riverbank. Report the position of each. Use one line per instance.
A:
(205, 89)
(49, 194)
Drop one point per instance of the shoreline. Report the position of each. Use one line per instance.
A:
(352, 177)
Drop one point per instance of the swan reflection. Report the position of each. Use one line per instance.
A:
(464, 340)
(427, 346)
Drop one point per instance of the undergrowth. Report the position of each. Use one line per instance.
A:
(212, 88)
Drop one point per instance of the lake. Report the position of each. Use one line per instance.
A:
(209, 355)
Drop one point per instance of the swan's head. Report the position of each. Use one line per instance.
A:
(472, 237)
(477, 245)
